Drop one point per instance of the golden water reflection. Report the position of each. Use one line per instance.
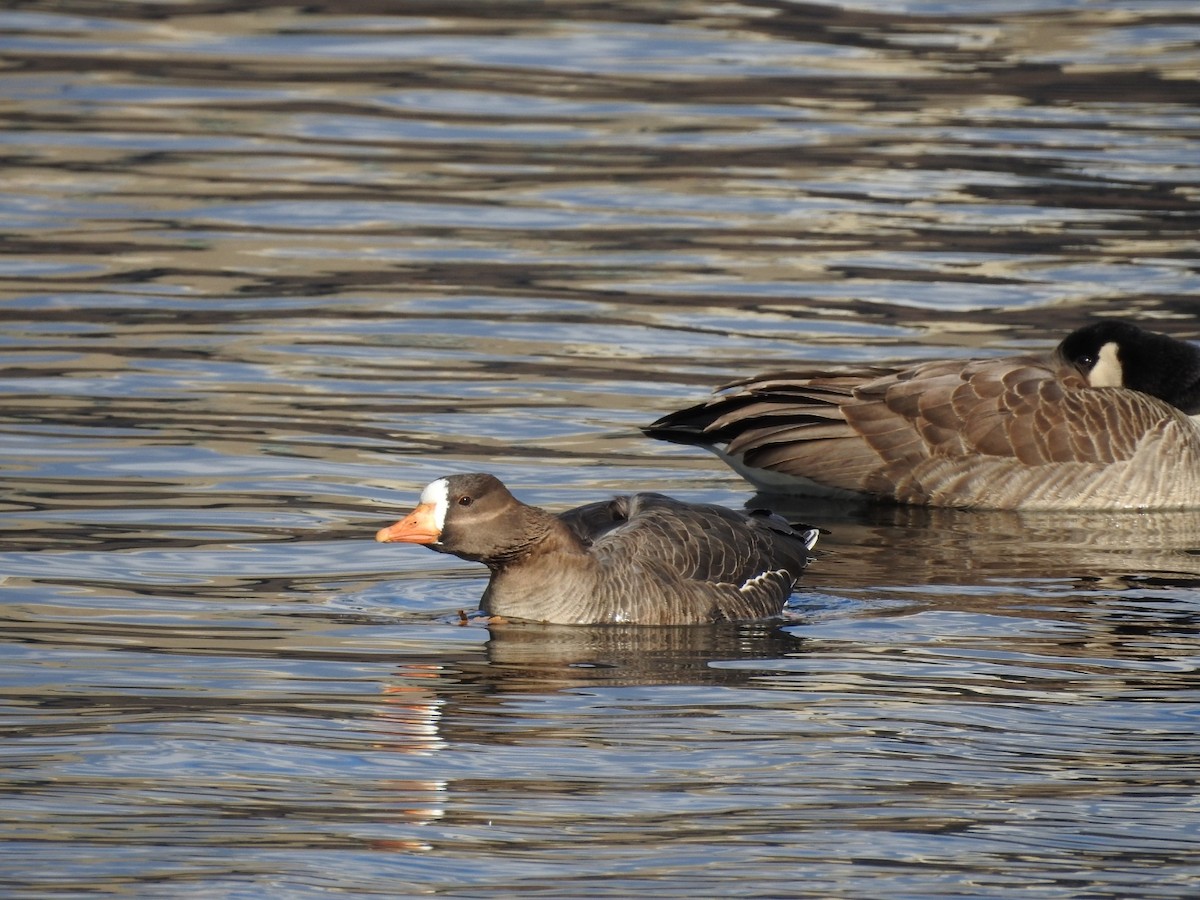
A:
(267, 272)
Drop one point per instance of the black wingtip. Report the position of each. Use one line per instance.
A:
(809, 534)
(684, 426)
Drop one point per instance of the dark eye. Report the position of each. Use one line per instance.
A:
(1087, 360)
(465, 500)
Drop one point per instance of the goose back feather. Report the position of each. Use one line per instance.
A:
(1101, 422)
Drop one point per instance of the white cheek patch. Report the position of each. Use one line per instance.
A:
(437, 493)
(1107, 372)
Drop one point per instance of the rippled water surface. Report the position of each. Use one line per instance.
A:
(265, 271)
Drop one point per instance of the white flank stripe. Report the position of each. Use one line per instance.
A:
(761, 579)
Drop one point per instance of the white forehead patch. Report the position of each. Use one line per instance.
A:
(1107, 372)
(437, 493)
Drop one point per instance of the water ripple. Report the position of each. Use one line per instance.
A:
(267, 272)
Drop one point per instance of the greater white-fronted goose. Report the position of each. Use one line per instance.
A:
(1102, 422)
(641, 559)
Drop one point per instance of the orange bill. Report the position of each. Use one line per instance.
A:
(418, 527)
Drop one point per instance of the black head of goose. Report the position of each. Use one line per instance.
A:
(1101, 422)
(641, 559)
(1117, 354)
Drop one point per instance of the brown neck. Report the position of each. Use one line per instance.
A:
(544, 535)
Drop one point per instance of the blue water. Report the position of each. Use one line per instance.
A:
(267, 272)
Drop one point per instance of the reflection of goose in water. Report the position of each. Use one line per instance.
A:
(872, 546)
(539, 657)
(1103, 422)
(644, 559)
(470, 687)
(473, 685)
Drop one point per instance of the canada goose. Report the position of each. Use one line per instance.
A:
(642, 559)
(1102, 422)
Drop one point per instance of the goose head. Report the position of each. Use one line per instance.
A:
(472, 517)
(1117, 354)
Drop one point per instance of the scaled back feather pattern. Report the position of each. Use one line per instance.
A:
(1104, 421)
